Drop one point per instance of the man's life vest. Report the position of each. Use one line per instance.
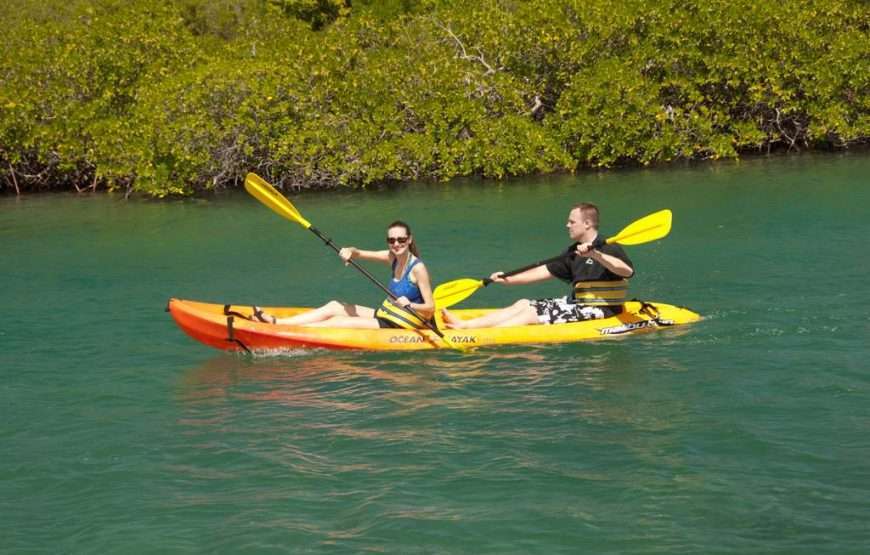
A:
(601, 293)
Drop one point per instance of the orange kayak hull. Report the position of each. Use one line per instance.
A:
(228, 327)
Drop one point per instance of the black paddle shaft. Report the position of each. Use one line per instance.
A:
(487, 281)
(365, 272)
(374, 280)
(596, 244)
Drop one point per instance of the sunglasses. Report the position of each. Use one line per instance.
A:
(399, 240)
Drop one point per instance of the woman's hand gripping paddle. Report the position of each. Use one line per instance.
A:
(263, 191)
(647, 229)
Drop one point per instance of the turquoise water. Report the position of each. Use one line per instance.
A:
(746, 433)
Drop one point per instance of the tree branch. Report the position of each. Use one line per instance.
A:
(14, 180)
(464, 55)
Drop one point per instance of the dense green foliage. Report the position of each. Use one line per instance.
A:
(167, 97)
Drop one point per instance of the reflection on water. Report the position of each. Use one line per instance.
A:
(414, 381)
(349, 395)
(290, 373)
(623, 391)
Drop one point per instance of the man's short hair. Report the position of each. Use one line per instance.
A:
(588, 211)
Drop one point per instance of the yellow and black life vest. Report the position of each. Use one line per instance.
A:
(392, 312)
(601, 293)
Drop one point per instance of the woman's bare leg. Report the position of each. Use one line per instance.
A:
(356, 322)
(331, 309)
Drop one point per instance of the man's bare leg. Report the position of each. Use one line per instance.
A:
(520, 311)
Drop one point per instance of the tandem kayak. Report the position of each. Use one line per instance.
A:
(228, 327)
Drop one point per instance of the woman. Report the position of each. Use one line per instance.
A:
(410, 284)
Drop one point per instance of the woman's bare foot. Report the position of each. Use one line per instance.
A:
(451, 321)
(259, 316)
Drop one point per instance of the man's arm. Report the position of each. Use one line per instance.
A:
(538, 273)
(612, 263)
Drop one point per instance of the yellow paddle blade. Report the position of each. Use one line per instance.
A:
(649, 228)
(260, 189)
(456, 291)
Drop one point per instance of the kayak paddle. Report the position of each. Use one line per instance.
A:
(263, 191)
(649, 228)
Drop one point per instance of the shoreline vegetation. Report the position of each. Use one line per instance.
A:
(160, 98)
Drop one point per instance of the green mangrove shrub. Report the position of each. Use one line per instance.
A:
(166, 98)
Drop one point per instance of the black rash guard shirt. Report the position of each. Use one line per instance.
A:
(572, 267)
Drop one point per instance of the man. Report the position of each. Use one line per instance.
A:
(598, 275)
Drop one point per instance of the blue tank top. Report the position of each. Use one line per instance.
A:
(404, 287)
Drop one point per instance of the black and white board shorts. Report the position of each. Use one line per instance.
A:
(563, 310)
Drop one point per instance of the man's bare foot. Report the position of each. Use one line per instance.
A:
(452, 321)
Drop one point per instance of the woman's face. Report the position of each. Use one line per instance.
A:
(398, 240)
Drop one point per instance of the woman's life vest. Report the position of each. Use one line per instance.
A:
(402, 287)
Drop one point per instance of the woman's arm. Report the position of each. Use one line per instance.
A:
(421, 276)
(347, 253)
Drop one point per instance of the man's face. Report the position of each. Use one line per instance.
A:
(576, 225)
